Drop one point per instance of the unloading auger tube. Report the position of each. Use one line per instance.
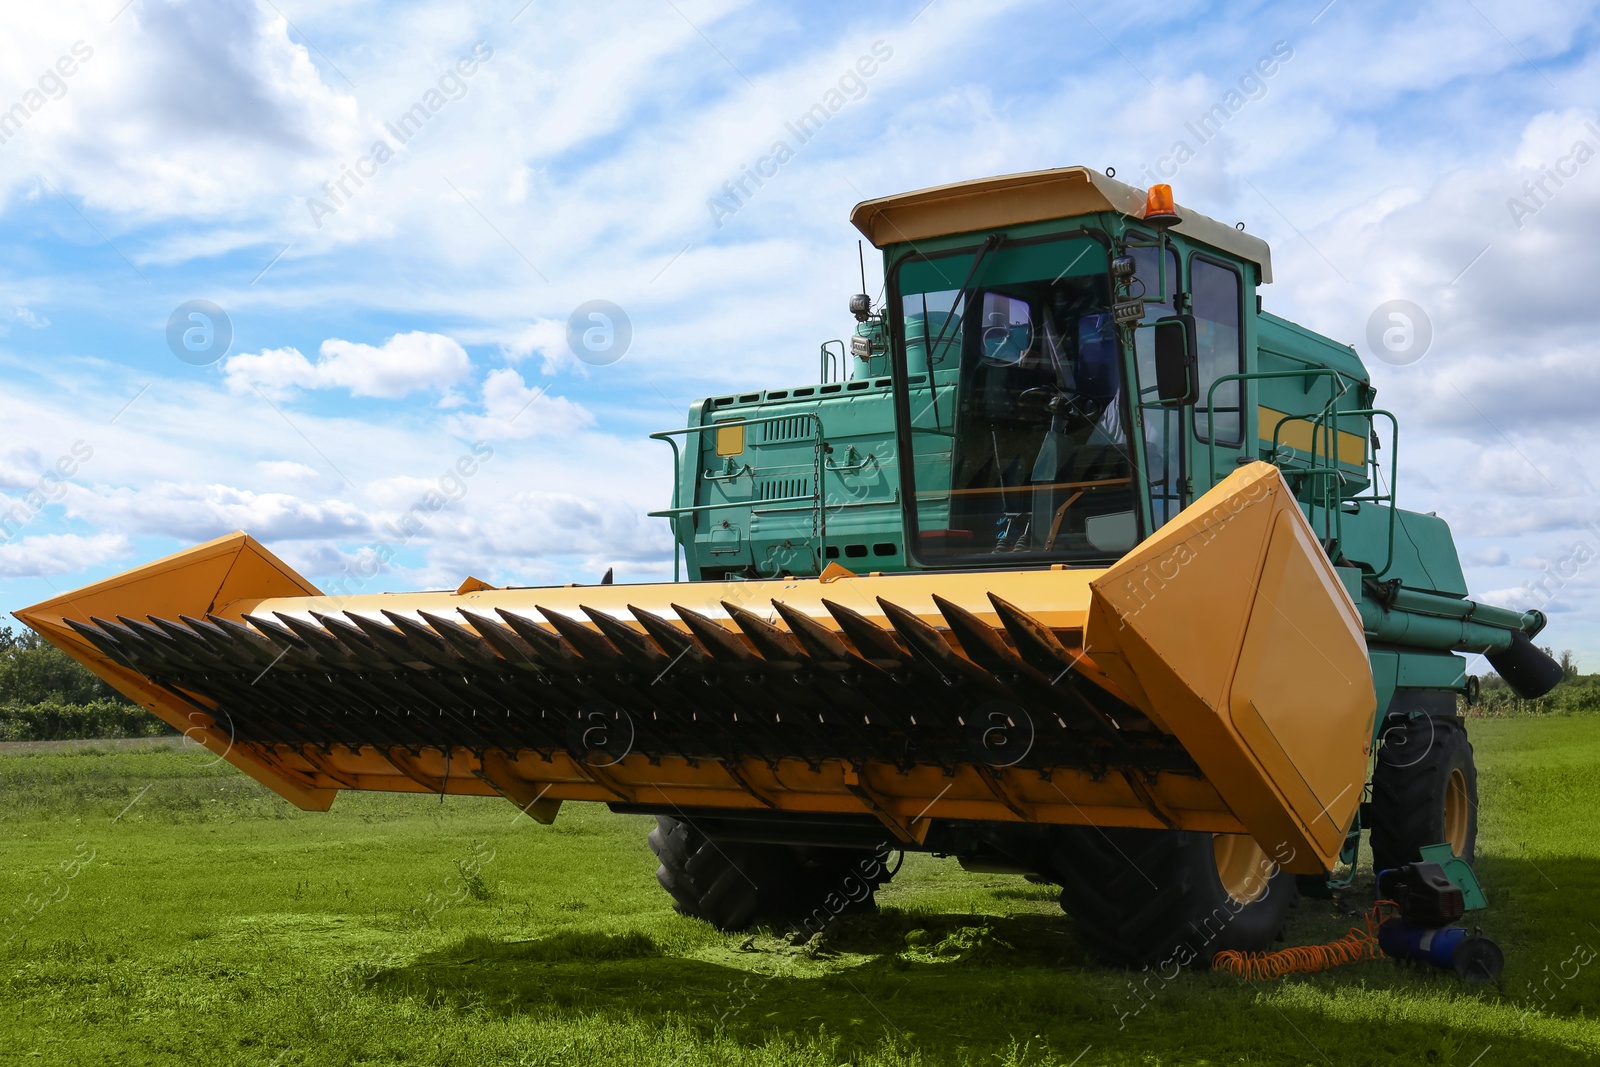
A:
(1168, 691)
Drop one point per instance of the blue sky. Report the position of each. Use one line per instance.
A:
(379, 334)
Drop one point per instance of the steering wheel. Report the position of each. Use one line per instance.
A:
(1075, 406)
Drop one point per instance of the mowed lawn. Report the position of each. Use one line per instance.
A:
(210, 922)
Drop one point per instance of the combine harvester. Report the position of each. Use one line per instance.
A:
(1076, 563)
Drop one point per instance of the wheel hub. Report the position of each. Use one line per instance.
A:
(1242, 867)
(1456, 811)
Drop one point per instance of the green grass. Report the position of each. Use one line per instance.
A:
(216, 924)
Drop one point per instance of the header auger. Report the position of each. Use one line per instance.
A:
(1079, 566)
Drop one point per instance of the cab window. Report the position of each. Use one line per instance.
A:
(1220, 342)
(1016, 411)
(1162, 425)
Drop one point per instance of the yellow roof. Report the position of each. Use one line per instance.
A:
(1034, 196)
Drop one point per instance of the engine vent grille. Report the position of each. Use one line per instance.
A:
(782, 488)
(796, 428)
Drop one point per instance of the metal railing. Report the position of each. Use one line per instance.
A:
(817, 497)
(833, 367)
(1323, 467)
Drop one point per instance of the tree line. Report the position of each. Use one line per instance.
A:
(1576, 692)
(46, 696)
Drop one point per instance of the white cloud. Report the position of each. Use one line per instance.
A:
(534, 526)
(1495, 556)
(288, 470)
(511, 410)
(406, 363)
(172, 110)
(29, 319)
(48, 554)
(21, 467)
(547, 338)
(200, 512)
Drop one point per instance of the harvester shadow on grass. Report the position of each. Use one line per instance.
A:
(836, 978)
(979, 982)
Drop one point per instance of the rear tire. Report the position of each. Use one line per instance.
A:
(734, 884)
(1424, 791)
(1155, 897)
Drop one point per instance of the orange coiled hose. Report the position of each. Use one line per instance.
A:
(1357, 945)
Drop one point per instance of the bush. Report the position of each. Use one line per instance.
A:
(33, 671)
(59, 721)
(1577, 693)
(46, 696)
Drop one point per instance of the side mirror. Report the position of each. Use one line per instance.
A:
(1177, 369)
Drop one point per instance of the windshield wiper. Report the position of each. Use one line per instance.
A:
(990, 243)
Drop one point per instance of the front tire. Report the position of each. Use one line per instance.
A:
(1153, 897)
(734, 885)
(1424, 791)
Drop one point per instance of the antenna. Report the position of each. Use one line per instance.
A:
(861, 303)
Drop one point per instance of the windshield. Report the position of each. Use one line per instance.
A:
(1016, 411)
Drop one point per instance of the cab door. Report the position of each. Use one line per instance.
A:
(1221, 423)
(1163, 442)
(1187, 449)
